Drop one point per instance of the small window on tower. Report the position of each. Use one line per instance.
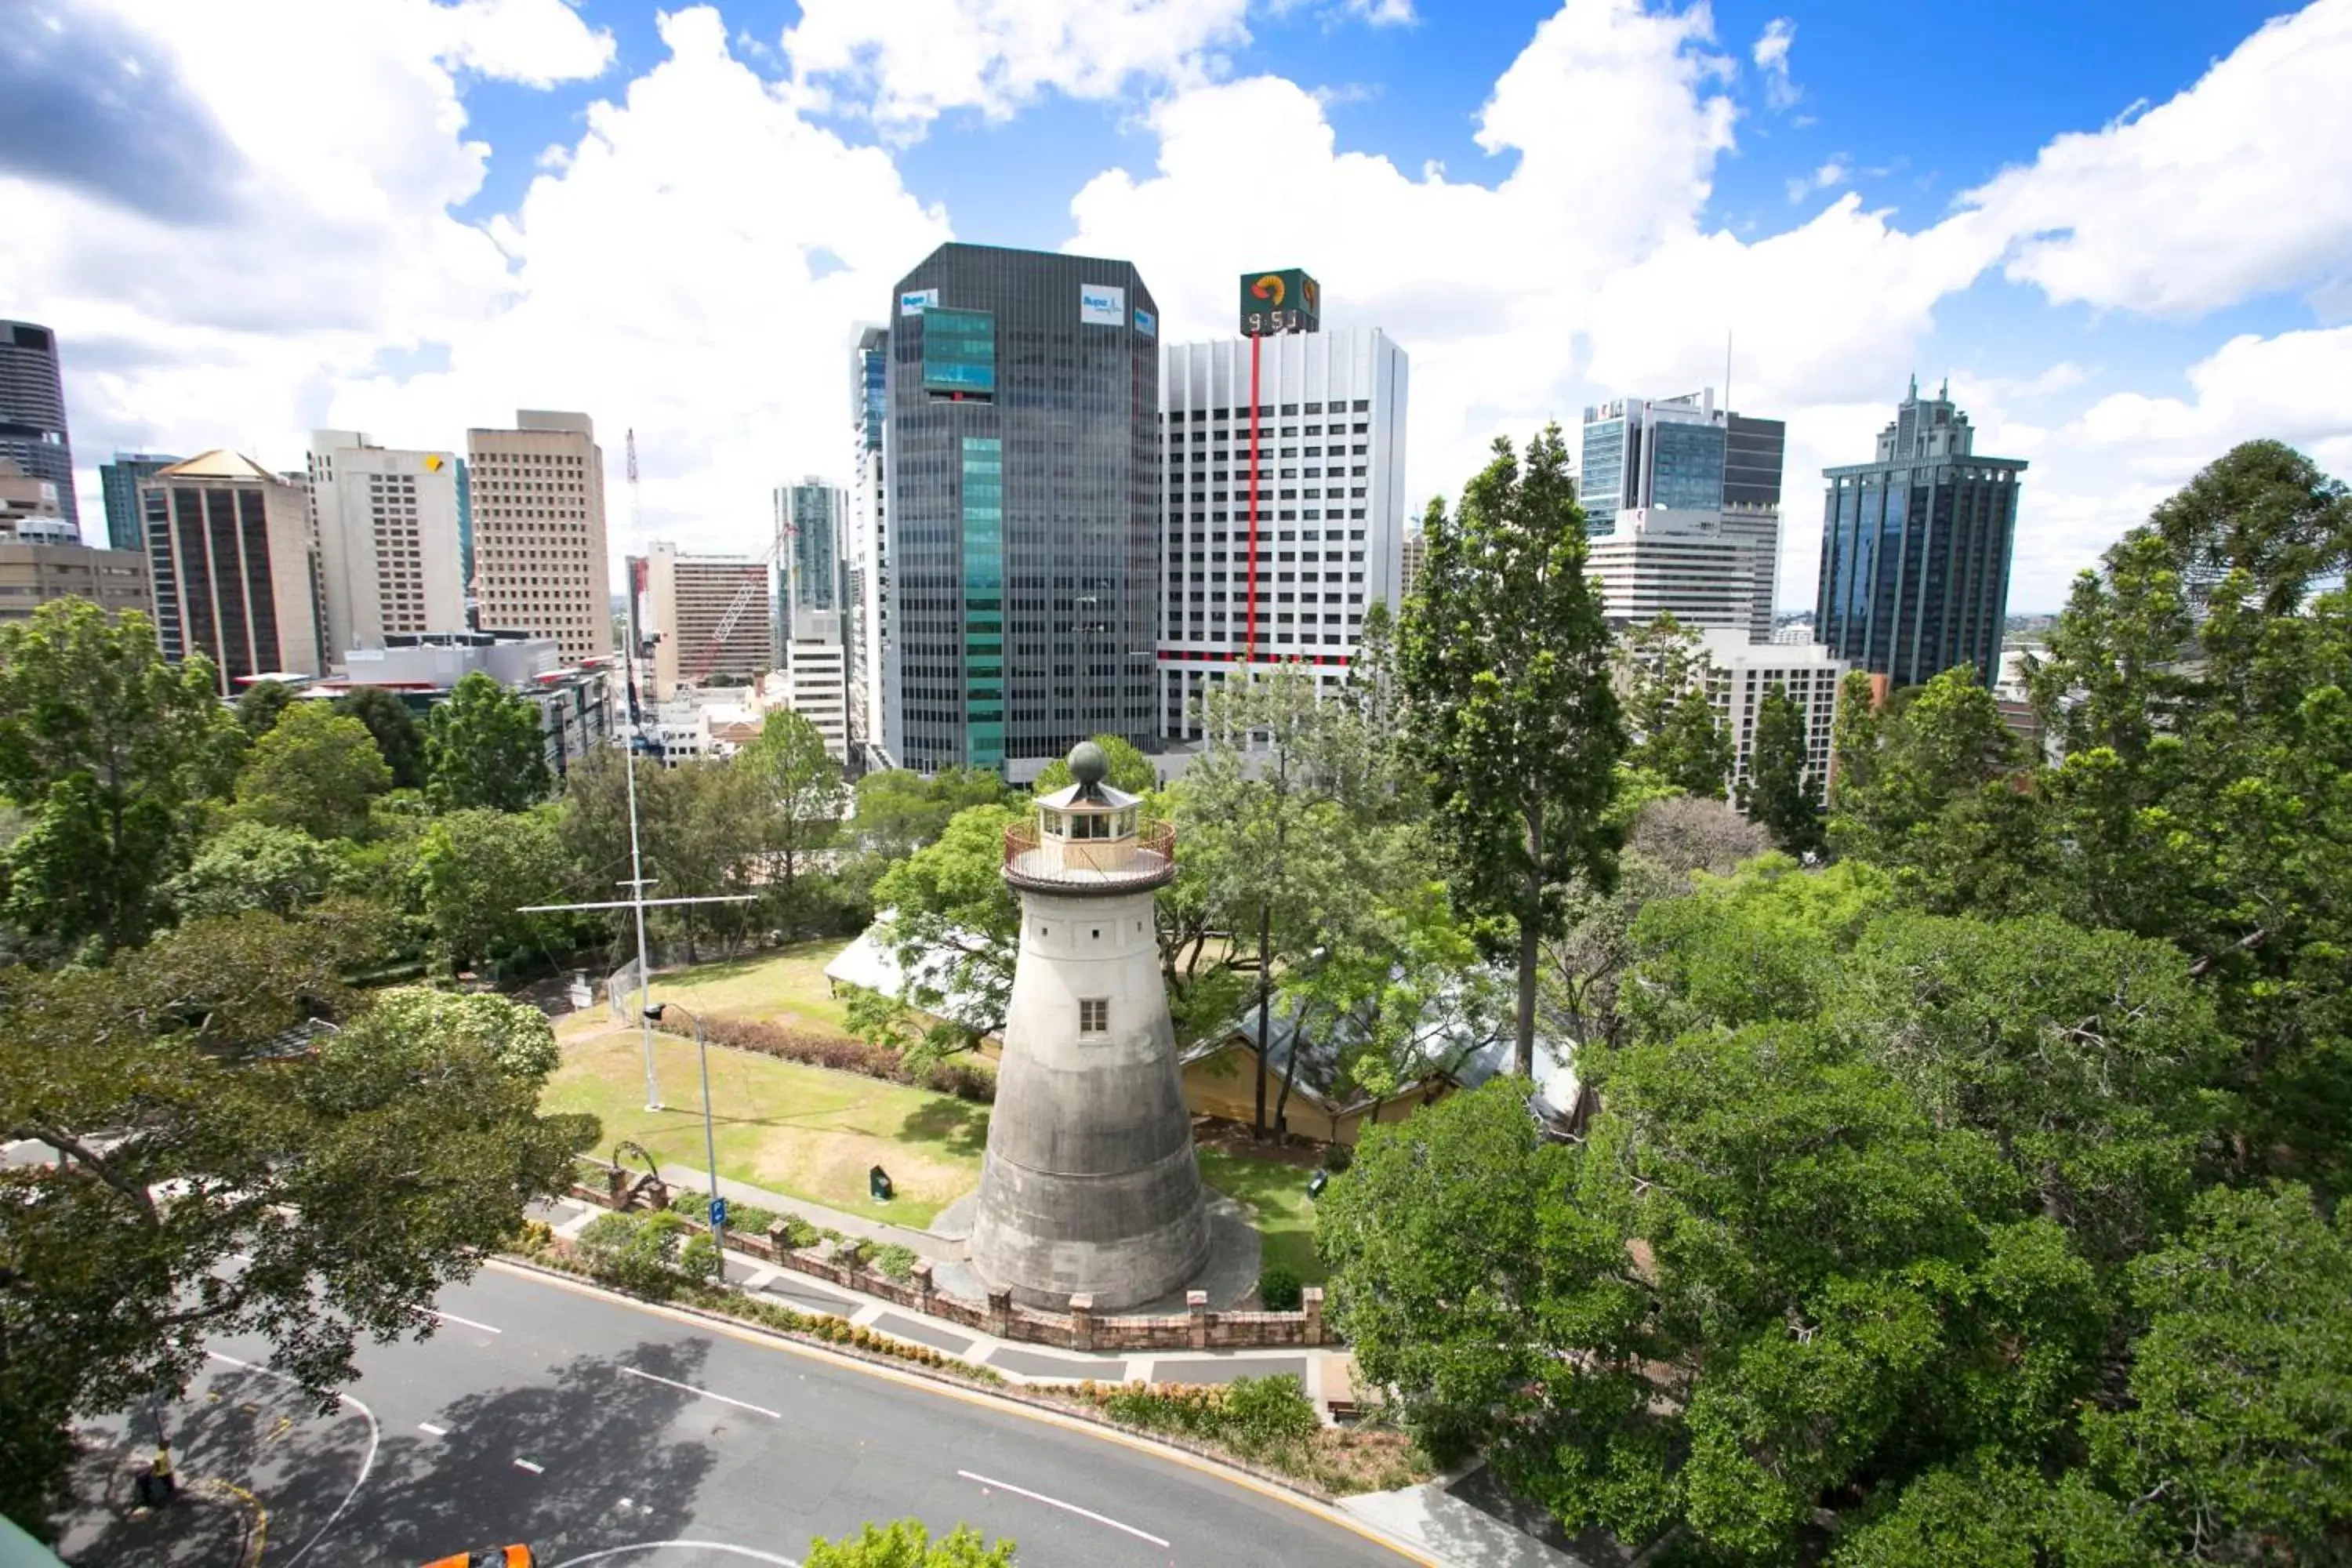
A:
(1094, 1015)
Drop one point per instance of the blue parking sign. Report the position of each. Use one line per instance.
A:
(717, 1213)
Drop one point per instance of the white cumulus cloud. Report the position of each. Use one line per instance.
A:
(2235, 187)
(909, 61)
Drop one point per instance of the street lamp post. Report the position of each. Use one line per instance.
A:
(710, 1135)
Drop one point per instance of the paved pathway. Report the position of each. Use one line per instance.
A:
(881, 1232)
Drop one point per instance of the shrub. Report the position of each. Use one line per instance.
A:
(1337, 1158)
(699, 1258)
(743, 1219)
(895, 1261)
(1263, 1411)
(908, 1544)
(965, 1079)
(1279, 1290)
(799, 1232)
(633, 1252)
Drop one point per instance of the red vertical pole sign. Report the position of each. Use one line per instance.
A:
(1249, 646)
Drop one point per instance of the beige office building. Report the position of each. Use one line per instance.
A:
(42, 556)
(387, 525)
(234, 567)
(709, 615)
(538, 494)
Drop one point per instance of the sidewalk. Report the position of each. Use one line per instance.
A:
(924, 1243)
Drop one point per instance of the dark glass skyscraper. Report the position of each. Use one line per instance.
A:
(1916, 549)
(1023, 480)
(33, 410)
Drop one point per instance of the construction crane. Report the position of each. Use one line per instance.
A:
(694, 671)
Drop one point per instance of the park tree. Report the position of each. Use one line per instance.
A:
(1783, 795)
(1510, 712)
(2198, 684)
(954, 927)
(796, 796)
(1258, 831)
(906, 1543)
(1670, 837)
(2234, 1433)
(250, 866)
(1661, 669)
(261, 704)
(478, 870)
(314, 771)
(107, 751)
(397, 737)
(484, 749)
(1130, 769)
(897, 811)
(314, 1197)
(1943, 797)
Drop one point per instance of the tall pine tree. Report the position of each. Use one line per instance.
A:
(1510, 712)
(1783, 797)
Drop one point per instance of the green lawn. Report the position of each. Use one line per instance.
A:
(1276, 1196)
(805, 1131)
(786, 984)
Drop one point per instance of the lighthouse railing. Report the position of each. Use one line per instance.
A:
(1147, 857)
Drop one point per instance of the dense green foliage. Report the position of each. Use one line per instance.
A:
(107, 751)
(484, 749)
(397, 738)
(1661, 671)
(1975, 1199)
(1509, 706)
(908, 1544)
(1783, 795)
(313, 771)
(213, 1185)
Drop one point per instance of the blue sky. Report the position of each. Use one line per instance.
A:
(674, 219)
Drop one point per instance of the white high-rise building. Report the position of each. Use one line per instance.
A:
(814, 679)
(1657, 562)
(1329, 506)
(1684, 454)
(867, 621)
(1742, 672)
(538, 493)
(388, 539)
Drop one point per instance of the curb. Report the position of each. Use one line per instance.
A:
(1310, 1499)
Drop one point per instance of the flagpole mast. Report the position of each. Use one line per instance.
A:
(638, 888)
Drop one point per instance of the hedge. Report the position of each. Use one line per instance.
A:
(969, 1080)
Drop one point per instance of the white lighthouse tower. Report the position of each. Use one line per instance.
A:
(1089, 1187)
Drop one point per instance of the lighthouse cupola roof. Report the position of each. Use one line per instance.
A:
(1089, 793)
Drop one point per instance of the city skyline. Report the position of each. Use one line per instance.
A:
(1737, 173)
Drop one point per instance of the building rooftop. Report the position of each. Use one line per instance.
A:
(219, 464)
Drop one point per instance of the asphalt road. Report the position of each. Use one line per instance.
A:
(605, 1434)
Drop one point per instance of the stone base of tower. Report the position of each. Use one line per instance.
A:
(1123, 1238)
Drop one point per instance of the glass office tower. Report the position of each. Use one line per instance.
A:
(33, 411)
(1023, 478)
(1916, 550)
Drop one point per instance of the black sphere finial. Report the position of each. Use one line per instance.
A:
(1089, 764)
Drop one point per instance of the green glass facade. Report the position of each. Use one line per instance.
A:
(960, 352)
(984, 601)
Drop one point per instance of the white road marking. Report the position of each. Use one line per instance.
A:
(740, 1404)
(375, 1437)
(527, 1465)
(454, 1317)
(756, 1555)
(1066, 1507)
(435, 1431)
